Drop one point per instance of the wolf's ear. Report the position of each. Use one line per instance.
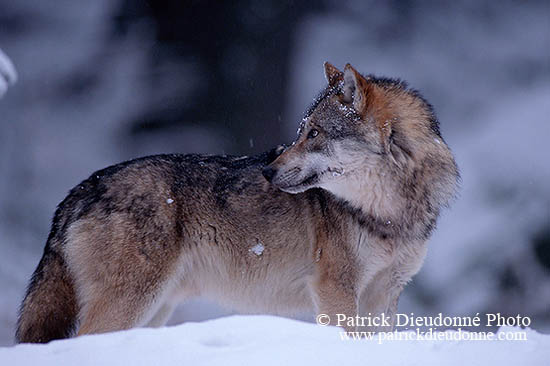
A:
(355, 89)
(368, 100)
(332, 74)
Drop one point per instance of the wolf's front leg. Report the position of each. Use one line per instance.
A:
(381, 295)
(335, 292)
(380, 299)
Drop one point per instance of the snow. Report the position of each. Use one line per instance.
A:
(257, 249)
(8, 76)
(267, 340)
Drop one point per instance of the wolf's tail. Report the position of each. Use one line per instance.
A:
(49, 310)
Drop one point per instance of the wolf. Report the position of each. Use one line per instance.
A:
(335, 223)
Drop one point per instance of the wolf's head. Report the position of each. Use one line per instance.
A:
(362, 135)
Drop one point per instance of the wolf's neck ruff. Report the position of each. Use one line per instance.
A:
(368, 191)
(372, 201)
(376, 226)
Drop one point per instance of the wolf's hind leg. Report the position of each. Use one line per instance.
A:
(136, 298)
(122, 273)
(112, 311)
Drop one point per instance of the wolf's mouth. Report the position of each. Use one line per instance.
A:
(303, 185)
(312, 179)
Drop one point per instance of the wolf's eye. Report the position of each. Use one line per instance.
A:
(312, 134)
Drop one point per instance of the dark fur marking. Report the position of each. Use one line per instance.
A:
(375, 226)
(141, 209)
(144, 253)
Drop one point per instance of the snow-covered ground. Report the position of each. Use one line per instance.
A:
(266, 340)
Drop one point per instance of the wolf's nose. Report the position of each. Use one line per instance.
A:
(268, 172)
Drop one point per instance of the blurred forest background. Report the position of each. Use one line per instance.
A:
(104, 81)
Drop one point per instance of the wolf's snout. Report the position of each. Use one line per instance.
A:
(268, 172)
